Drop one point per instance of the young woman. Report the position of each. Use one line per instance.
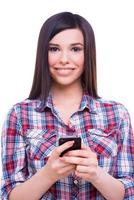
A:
(64, 102)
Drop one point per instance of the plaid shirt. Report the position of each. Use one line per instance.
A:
(29, 136)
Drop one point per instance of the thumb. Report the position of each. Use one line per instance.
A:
(58, 150)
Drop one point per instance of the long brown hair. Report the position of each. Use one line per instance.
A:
(53, 25)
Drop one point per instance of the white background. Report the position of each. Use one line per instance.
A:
(113, 24)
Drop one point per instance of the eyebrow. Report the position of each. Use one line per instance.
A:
(73, 44)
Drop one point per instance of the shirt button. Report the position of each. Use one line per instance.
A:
(75, 181)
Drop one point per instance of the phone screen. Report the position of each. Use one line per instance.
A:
(76, 144)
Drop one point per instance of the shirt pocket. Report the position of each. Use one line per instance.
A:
(39, 145)
(103, 143)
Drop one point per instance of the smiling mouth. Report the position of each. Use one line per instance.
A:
(64, 68)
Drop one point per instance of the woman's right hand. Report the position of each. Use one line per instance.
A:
(57, 169)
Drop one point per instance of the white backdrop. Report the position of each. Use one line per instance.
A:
(20, 23)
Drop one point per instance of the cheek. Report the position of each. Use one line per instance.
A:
(79, 61)
(52, 59)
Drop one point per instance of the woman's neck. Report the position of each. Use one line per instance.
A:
(67, 95)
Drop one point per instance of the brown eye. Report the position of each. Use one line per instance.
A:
(76, 49)
(53, 49)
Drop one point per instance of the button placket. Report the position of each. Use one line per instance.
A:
(76, 182)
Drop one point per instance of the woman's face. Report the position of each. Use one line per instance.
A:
(66, 57)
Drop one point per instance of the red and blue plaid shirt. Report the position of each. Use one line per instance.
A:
(29, 137)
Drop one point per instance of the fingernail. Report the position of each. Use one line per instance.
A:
(71, 142)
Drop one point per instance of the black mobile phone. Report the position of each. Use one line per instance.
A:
(76, 144)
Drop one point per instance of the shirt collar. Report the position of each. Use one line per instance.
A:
(42, 105)
(87, 102)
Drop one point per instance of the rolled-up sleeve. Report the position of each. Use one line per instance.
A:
(125, 161)
(14, 169)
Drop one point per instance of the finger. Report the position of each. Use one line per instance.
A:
(82, 169)
(88, 149)
(91, 174)
(80, 160)
(58, 150)
(79, 153)
(87, 169)
(82, 175)
(61, 164)
(67, 169)
(84, 147)
(74, 160)
(82, 153)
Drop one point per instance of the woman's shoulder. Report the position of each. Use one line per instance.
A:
(106, 102)
(24, 105)
(27, 102)
(110, 106)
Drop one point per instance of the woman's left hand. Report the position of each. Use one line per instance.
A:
(86, 163)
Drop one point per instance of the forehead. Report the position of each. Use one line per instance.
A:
(68, 36)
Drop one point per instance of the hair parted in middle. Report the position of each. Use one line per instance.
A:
(52, 26)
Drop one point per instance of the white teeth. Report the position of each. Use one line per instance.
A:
(64, 68)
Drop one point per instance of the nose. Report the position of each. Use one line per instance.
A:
(64, 58)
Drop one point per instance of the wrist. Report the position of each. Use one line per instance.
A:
(98, 176)
(49, 175)
(45, 178)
